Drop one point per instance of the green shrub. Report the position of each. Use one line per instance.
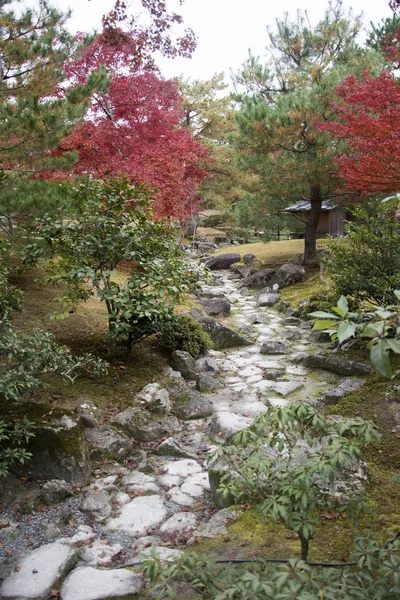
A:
(183, 333)
(368, 268)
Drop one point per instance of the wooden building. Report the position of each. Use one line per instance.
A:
(332, 219)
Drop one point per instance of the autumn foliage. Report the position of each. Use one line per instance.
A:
(132, 128)
(368, 113)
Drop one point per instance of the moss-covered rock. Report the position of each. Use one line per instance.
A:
(59, 448)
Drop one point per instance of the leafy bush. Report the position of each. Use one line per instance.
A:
(374, 576)
(13, 438)
(378, 328)
(286, 463)
(112, 222)
(368, 268)
(183, 333)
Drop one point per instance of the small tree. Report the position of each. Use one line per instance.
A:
(287, 461)
(112, 222)
(368, 267)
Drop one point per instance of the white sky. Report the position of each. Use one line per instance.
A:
(226, 29)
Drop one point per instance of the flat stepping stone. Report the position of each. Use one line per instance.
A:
(182, 468)
(101, 553)
(179, 523)
(180, 498)
(225, 424)
(285, 388)
(87, 583)
(195, 485)
(140, 515)
(140, 482)
(39, 572)
(217, 524)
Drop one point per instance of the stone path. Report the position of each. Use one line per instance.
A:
(159, 501)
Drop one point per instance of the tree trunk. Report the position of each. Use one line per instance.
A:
(304, 547)
(310, 238)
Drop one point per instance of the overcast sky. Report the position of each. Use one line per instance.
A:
(226, 29)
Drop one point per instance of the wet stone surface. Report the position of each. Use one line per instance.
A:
(154, 491)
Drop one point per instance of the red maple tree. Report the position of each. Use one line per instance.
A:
(132, 127)
(368, 120)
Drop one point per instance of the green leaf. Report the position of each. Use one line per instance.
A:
(320, 314)
(346, 331)
(380, 359)
(323, 324)
(393, 345)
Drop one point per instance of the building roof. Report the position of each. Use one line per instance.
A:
(305, 205)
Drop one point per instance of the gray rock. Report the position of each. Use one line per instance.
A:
(143, 426)
(346, 387)
(342, 366)
(185, 364)
(240, 270)
(197, 407)
(268, 299)
(288, 274)
(216, 307)
(207, 365)
(101, 553)
(221, 336)
(321, 337)
(97, 503)
(59, 448)
(154, 398)
(206, 383)
(248, 259)
(107, 443)
(223, 261)
(259, 318)
(216, 470)
(212, 293)
(273, 347)
(179, 523)
(245, 292)
(293, 334)
(259, 279)
(292, 321)
(217, 524)
(139, 515)
(182, 468)
(225, 424)
(88, 583)
(90, 414)
(171, 447)
(140, 482)
(55, 491)
(39, 572)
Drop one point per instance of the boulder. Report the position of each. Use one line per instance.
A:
(59, 448)
(288, 274)
(240, 270)
(346, 387)
(273, 347)
(207, 365)
(342, 366)
(154, 398)
(268, 298)
(221, 336)
(259, 279)
(217, 307)
(106, 443)
(90, 414)
(197, 407)
(97, 503)
(248, 259)
(143, 426)
(223, 261)
(206, 383)
(172, 447)
(55, 491)
(184, 363)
